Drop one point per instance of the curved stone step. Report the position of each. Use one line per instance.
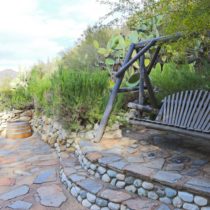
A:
(167, 187)
(95, 194)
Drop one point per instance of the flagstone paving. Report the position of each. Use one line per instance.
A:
(29, 177)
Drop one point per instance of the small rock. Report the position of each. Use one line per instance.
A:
(95, 207)
(142, 192)
(101, 202)
(200, 201)
(177, 202)
(74, 192)
(79, 198)
(131, 188)
(113, 206)
(93, 167)
(97, 175)
(83, 194)
(86, 203)
(91, 172)
(165, 200)
(185, 196)
(152, 195)
(113, 182)
(106, 178)
(137, 183)
(170, 192)
(105, 208)
(112, 173)
(147, 185)
(91, 197)
(120, 184)
(129, 180)
(189, 206)
(160, 192)
(163, 207)
(120, 177)
(101, 170)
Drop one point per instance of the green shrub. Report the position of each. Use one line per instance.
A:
(175, 78)
(15, 99)
(39, 85)
(79, 97)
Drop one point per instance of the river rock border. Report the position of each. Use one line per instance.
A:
(152, 190)
(87, 199)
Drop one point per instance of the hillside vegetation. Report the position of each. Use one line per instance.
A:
(75, 88)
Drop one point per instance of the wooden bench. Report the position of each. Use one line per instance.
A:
(185, 112)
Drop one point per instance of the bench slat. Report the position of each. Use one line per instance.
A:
(198, 110)
(205, 119)
(179, 108)
(194, 109)
(167, 109)
(182, 108)
(175, 107)
(189, 113)
(202, 113)
(171, 110)
(186, 109)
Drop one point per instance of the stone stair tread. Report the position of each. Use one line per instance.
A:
(96, 187)
(139, 170)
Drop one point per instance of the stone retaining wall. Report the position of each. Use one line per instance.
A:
(143, 187)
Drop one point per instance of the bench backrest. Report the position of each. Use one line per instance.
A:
(187, 109)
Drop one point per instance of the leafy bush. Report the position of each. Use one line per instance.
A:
(80, 97)
(18, 98)
(173, 78)
(38, 86)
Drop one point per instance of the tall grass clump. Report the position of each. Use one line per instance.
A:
(79, 97)
(173, 78)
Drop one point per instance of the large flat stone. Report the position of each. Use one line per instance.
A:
(20, 205)
(167, 177)
(114, 195)
(46, 176)
(109, 159)
(118, 165)
(51, 196)
(198, 184)
(144, 204)
(68, 171)
(90, 185)
(19, 191)
(155, 164)
(140, 170)
(93, 156)
(76, 178)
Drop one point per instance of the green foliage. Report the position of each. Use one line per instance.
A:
(174, 78)
(18, 98)
(38, 86)
(84, 55)
(81, 95)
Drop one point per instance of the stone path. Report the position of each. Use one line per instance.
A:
(29, 177)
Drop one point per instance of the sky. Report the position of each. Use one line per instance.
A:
(38, 30)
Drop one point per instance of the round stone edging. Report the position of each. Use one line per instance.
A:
(154, 190)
